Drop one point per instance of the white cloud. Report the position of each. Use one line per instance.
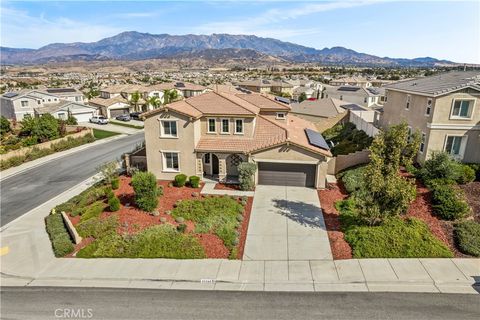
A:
(254, 25)
(22, 30)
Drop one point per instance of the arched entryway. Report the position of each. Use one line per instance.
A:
(210, 164)
(232, 162)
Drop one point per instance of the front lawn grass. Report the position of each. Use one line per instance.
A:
(394, 238)
(128, 125)
(102, 134)
(162, 241)
(217, 215)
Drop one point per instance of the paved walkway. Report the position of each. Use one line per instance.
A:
(286, 224)
(209, 188)
(26, 259)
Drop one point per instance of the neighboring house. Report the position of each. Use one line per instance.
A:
(61, 110)
(111, 107)
(70, 94)
(212, 133)
(267, 86)
(184, 89)
(371, 97)
(324, 113)
(16, 105)
(309, 93)
(351, 81)
(444, 107)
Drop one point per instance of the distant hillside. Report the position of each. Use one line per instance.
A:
(139, 46)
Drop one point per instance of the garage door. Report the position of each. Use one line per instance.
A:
(83, 117)
(286, 174)
(118, 112)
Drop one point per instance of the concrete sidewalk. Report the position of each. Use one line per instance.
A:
(4, 174)
(30, 262)
(209, 188)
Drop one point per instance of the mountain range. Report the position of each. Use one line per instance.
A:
(134, 46)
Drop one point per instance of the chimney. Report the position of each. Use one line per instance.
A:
(341, 97)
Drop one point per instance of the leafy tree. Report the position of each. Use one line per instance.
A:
(302, 97)
(134, 99)
(154, 102)
(109, 171)
(169, 95)
(388, 193)
(4, 126)
(45, 127)
(411, 149)
(246, 170)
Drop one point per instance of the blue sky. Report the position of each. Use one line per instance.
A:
(408, 29)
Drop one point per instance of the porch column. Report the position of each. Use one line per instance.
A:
(199, 165)
(222, 167)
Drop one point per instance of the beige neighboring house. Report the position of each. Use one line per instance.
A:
(351, 81)
(211, 134)
(267, 86)
(17, 105)
(111, 107)
(63, 109)
(324, 113)
(445, 108)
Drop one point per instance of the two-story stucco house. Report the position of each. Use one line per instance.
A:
(445, 108)
(210, 134)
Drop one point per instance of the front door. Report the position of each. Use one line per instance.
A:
(214, 164)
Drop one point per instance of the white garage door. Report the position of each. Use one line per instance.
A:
(83, 117)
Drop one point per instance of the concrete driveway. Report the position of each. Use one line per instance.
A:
(286, 223)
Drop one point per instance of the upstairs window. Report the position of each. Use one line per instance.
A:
(211, 125)
(169, 129)
(429, 107)
(422, 142)
(225, 126)
(280, 115)
(239, 126)
(462, 109)
(407, 106)
(24, 103)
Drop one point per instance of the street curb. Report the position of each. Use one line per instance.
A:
(56, 156)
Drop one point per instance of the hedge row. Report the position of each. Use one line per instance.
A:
(57, 231)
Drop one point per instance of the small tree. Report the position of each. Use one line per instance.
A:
(134, 99)
(302, 97)
(4, 126)
(154, 102)
(109, 172)
(246, 170)
(146, 190)
(411, 149)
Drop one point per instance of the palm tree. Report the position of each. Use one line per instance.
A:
(134, 98)
(169, 96)
(154, 102)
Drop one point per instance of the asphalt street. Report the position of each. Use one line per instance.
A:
(90, 303)
(27, 190)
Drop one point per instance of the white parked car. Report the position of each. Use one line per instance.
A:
(99, 120)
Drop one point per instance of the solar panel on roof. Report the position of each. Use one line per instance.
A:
(179, 85)
(354, 107)
(316, 139)
(348, 88)
(283, 100)
(60, 90)
(10, 94)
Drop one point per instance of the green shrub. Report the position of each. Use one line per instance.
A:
(92, 211)
(160, 190)
(348, 213)
(114, 204)
(182, 228)
(180, 180)
(109, 193)
(97, 227)
(115, 183)
(59, 236)
(353, 179)
(396, 238)
(79, 203)
(146, 191)
(439, 166)
(246, 171)
(476, 168)
(347, 138)
(194, 181)
(465, 174)
(5, 126)
(155, 242)
(467, 237)
(448, 202)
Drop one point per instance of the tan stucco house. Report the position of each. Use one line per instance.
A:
(444, 107)
(210, 134)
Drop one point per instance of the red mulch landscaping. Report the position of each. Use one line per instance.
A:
(132, 220)
(472, 193)
(224, 186)
(335, 192)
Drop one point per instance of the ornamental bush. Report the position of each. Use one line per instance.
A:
(115, 183)
(465, 173)
(439, 166)
(180, 180)
(246, 170)
(353, 179)
(449, 202)
(59, 236)
(114, 204)
(194, 181)
(146, 191)
(467, 237)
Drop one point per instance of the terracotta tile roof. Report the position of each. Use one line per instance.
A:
(128, 88)
(107, 102)
(268, 133)
(263, 102)
(180, 106)
(216, 103)
(179, 85)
